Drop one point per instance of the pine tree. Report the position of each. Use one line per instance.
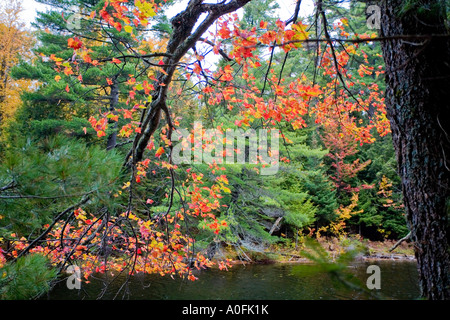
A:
(27, 278)
(41, 179)
(78, 87)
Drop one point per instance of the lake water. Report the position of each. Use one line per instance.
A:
(255, 282)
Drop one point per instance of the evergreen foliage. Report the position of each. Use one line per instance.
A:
(27, 278)
(48, 176)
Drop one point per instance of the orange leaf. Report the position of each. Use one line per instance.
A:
(159, 152)
(68, 71)
(74, 43)
(197, 68)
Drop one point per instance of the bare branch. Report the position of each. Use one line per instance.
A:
(405, 238)
(10, 185)
(50, 227)
(212, 44)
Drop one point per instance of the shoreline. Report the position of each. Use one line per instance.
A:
(392, 257)
(370, 251)
(372, 258)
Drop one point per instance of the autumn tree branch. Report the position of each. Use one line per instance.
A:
(183, 38)
(212, 44)
(50, 227)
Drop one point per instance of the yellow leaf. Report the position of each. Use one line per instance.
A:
(145, 8)
(128, 29)
(126, 185)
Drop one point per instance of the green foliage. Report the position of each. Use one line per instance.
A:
(316, 253)
(308, 156)
(73, 128)
(257, 201)
(259, 11)
(336, 269)
(26, 278)
(50, 175)
(58, 109)
(379, 221)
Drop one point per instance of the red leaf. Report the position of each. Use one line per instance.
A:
(74, 43)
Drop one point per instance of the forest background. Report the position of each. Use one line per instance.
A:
(74, 93)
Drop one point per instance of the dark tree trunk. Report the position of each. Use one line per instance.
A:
(112, 138)
(418, 107)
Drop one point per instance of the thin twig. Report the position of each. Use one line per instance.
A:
(50, 227)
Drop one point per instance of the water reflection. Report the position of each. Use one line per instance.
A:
(254, 282)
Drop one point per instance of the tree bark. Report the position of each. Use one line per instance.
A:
(418, 107)
(112, 138)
